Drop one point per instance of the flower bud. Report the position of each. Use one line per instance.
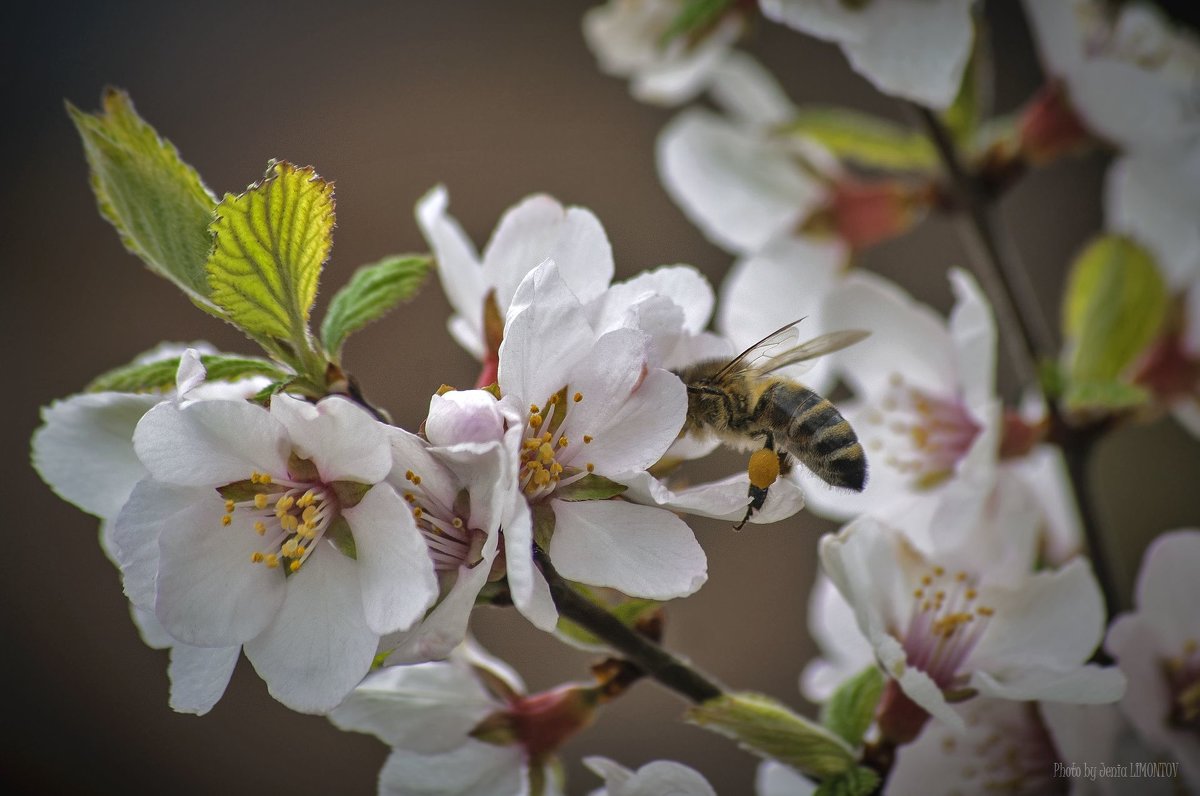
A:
(1049, 127)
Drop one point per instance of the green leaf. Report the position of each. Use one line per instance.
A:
(156, 201)
(963, 116)
(370, 294)
(850, 710)
(859, 781)
(590, 487)
(1109, 396)
(867, 140)
(159, 375)
(1114, 305)
(695, 17)
(271, 242)
(769, 729)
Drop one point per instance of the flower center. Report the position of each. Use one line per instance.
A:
(922, 435)
(448, 537)
(548, 452)
(945, 624)
(1183, 680)
(290, 516)
(1016, 756)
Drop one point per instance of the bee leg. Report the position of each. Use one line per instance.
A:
(785, 463)
(763, 471)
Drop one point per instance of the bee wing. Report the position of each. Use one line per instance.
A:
(749, 359)
(816, 347)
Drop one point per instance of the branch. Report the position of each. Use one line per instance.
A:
(654, 660)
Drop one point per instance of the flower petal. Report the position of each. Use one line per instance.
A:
(210, 443)
(844, 649)
(725, 499)
(319, 646)
(638, 550)
(653, 779)
(199, 676)
(1089, 684)
(1166, 592)
(973, 335)
(1154, 200)
(916, 684)
(458, 267)
(464, 416)
(744, 89)
(396, 572)
(473, 769)
(530, 592)
(776, 779)
(341, 438)
(84, 449)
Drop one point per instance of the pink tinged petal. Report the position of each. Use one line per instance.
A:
(84, 449)
(210, 443)
(530, 592)
(153, 508)
(473, 769)
(319, 646)
(973, 335)
(545, 333)
(458, 268)
(209, 593)
(739, 189)
(426, 708)
(538, 229)
(464, 416)
(341, 438)
(394, 567)
(916, 684)
(638, 550)
(633, 431)
(199, 676)
(775, 779)
(1167, 591)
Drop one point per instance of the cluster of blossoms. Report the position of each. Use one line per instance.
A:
(269, 509)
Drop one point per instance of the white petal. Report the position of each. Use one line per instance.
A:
(209, 593)
(1058, 34)
(1086, 684)
(530, 592)
(473, 769)
(458, 266)
(658, 778)
(341, 438)
(776, 779)
(410, 452)
(1044, 472)
(1155, 200)
(191, 373)
(682, 284)
(744, 89)
(1167, 590)
(426, 708)
(398, 581)
(210, 442)
(738, 189)
(1134, 107)
(973, 335)
(464, 416)
(846, 651)
(199, 676)
(724, 500)
(537, 229)
(84, 449)
(916, 684)
(638, 550)
(319, 646)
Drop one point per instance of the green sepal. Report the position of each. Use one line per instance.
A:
(1110, 396)
(300, 469)
(350, 493)
(342, 538)
(851, 709)
(1114, 306)
(159, 375)
(270, 245)
(859, 781)
(866, 140)
(696, 16)
(769, 729)
(371, 293)
(590, 487)
(157, 203)
(239, 491)
(543, 525)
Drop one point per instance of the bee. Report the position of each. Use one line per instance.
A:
(741, 402)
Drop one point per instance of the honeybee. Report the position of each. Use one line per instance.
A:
(741, 402)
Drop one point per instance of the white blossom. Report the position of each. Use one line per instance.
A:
(659, 778)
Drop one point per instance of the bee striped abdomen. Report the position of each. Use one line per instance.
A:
(816, 433)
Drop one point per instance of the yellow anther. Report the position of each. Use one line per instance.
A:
(288, 548)
(577, 397)
(306, 499)
(445, 388)
(256, 558)
(264, 478)
(562, 443)
(229, 504)
(418, 512)
(535, 421)
(926, 580)
(284, 503)
(532, 443)
(309, 514)
(410, 497)
(260, 501)
(587, 439)
(591, 467)
(260, 528)
(226, 519)
(960, 576)
(408, 475)
(984, 610)
(295, 565)
(971, 594)
(533, 409)
(554, 399)
(556, 468)
(541, 477)
(920, 437)
(546, 453)
(919, 594)
(939, 595)
(289, 522)
(457, 522)
(939, 571)
(272, 561)
(301, 550)
(254, 478)
(416, 480)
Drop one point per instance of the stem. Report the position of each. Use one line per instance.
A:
(995, 262)
(654, 660)
(1077, 447)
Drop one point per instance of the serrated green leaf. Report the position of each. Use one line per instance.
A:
(859, 781)
(590, 487)
(1111, 396)
(370, 294)
(271, 242)
(157, 202)
(694, 17)
(1114, 305)
(159, 375)
(864, 139)
(769, 729)
(851, 709)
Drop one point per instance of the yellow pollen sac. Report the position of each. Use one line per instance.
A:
(260, 501)
(410, 497)
(301, 550)
(939, 571)
(960, 576)
(306, 499)
(546, 453)
(408, 475)
(556, 468)
(229, 504)
(546, 437)
(587, 439)
(926, 580)
(919, 594)
(971, 594)
(260, 528)
(532, 443)
(289, 522)
(541, 477)
(272, 561)
(418, 512)
(457, 522)
(535, 421)
(591, 467)
(284, 503)
(533, 409)
(554, 399)
(764, 468)
(416, 480)
(983, 610)
(226, 519)
(577, 397)
(562, 442)
(288, 548)
(309, 513)
(256, 558)
(295, 566)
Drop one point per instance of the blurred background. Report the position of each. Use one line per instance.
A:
(496, 100)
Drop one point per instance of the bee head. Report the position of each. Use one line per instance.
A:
(706, 405)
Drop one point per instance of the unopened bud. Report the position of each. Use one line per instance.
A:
(1049, 127)
(900, 719)
(866, 213)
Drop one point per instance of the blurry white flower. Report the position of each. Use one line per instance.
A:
(1158, 648)
(274, 530)
(659, 778)
(844, 649)
(1101, 734)
(634, 39)
(914, 49)
(776, 779)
